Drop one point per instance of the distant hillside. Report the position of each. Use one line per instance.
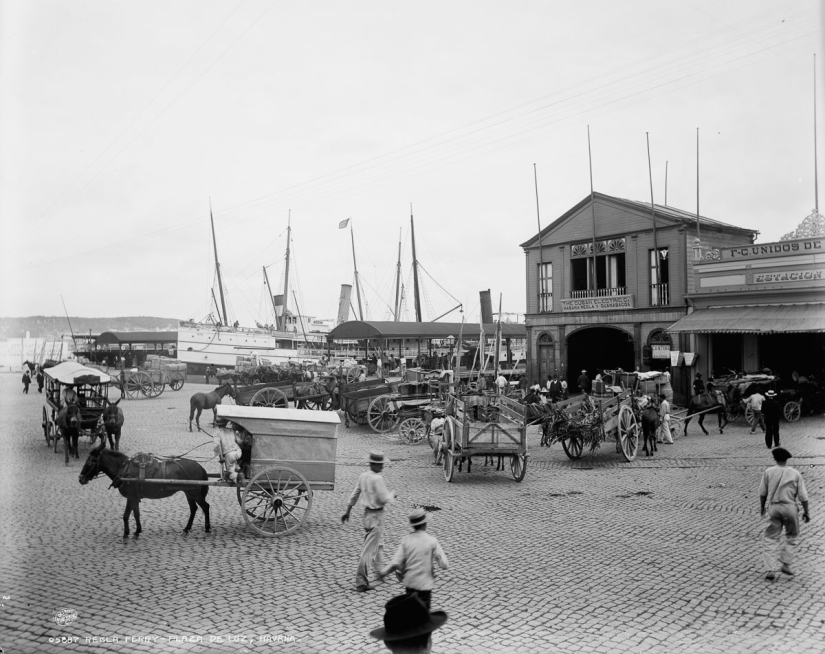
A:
(54, 326)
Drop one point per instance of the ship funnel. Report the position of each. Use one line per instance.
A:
(486, 307)
(344, 303)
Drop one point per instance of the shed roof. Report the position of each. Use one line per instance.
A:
(756, 319)
(357, 329)
(125, 338)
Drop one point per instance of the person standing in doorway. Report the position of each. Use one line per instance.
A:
(779, 491)
(374, 495)
(771, 410)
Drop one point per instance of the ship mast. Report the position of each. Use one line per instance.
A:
(355, 267)
(218, 265)
(398, 280)
(282, 326)
(415, 269)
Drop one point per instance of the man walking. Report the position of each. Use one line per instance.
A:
(374, 495)
(771, 410)
(755, 402)
(781, 487)
(416, 557)
(584, 382)
(26, 381)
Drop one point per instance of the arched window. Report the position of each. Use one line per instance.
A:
(659, 337)
(545, 339)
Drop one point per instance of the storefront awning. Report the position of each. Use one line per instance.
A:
(762, 319)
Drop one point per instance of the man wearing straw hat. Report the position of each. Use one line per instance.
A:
(408, 625)
(374, 495)
(416, 557)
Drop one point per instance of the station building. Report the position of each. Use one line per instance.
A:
(759, 307)
(607, 279)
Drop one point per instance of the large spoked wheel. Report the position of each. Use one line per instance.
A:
(412, 430)
(733, 412)
(792, 411)
(443, 442)
(353, 374)
(276, 501)
(449, 465)
(628, 433)
(320, 403)
(271, 397)
(677, 428)
(176, 381)
(47, 428)
(157, 388)
(572, 444)
(133, 389)
(518, 466)
(749, 417)
(381, 415)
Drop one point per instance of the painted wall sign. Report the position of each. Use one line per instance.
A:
(597, 303)
(786, 247)
(660, 351)
(789, 276)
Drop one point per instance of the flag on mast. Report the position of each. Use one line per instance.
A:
(343, 223)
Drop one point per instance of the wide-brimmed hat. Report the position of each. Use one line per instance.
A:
(770, 394)
(584, 372)
(377, 457)
(418, 517)
(781, 454)
(406, 616)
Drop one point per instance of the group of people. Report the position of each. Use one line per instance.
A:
(38, 376)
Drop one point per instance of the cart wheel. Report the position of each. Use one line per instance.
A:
(518, 466)
(353, 374)
(271, 397)
(449, 465)
(628, 432)
(381, 416)
(412, 430)
(47, 427)
(276, 501)
(157, 388)
(733, 412)
(792, 411)
(132, 388)
(176, 382)
(443, 442)
(749, 415)
(143, 384)
(677, 429)
(323, 404)
(572, 445)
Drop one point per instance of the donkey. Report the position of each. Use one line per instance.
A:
(111, 423)
(201, 401)
(650, 423)
(68, 427)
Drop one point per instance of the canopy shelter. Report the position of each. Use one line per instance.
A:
(754, 319)
(70, 372)
(135, 338)
(359, 330)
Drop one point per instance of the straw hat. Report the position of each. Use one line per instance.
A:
(418, 517)
(377, 457)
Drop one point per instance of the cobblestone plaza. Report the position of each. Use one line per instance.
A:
(596, 555)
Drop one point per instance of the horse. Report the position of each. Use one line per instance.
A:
(68, 427)
(708, 402)
(115, 464)
(650, 423)
(201, 401)
(111, 422)
(322, 392)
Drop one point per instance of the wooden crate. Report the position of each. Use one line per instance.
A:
(303, 440)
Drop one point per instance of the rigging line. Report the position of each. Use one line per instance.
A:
(163, 111)
(437, 284)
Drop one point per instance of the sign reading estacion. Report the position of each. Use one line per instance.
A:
(597, 303)
(789, 276)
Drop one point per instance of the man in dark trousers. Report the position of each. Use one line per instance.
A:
(26, 381)
(698, 384)
(555, 388)
(40, 379)
(584, 382)
(771, 411)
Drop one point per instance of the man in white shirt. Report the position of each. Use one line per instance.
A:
(779, 491)
(416, 557)
(501, 383)
(374, 496)
(664, 421)
(755, 402)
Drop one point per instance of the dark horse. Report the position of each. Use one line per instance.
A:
(112, 422)
(708, 402)
(115, 464)
(201, 401)
(316, 395)
(650, 423)
(68, 427)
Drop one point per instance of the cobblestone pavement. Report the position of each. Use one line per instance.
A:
(599, 555)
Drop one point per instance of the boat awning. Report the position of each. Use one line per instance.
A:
(70, 372)
(127, 338)
(761, 319)
(357, 329)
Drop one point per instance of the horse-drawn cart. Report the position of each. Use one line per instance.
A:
(304, 395)
(151, 380)
(88, 390)
(489, 426)
(357, 397)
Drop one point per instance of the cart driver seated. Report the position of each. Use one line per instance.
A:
(233, 447)
(69, 396)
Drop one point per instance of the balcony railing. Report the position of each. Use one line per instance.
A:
(599, 292)
(659, 295)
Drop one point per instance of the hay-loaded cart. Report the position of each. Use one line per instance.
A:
(589, 421)
(487, 425)
(288, 454)
(152, 379)
(305, 395)
(92, 389)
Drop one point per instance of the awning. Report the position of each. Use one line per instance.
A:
(356, 329)
(760, 319)
(70, 371)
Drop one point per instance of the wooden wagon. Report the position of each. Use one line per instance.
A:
(486, 425)
(356, 399)
(288, 454)
(304, 395)
(92, 389)
(152, 379)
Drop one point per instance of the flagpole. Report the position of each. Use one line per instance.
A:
(592, 209)
(355, 267)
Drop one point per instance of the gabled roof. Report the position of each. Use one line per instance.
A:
(118, 338)
(668, 214)
(357, 329)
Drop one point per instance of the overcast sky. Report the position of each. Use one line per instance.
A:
(121, 121)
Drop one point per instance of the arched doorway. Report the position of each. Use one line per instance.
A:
(547, 358)
(598, 348)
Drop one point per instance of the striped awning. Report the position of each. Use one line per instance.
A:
(756, 319)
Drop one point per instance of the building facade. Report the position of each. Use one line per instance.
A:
(760, 307)
(607, 279)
